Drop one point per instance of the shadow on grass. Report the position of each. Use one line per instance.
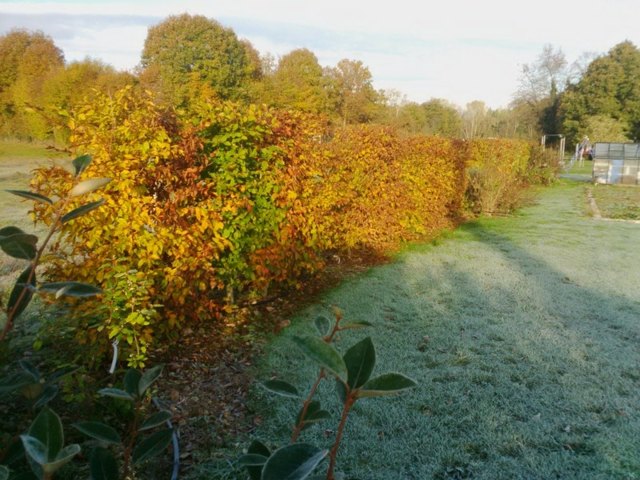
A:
(523, 335)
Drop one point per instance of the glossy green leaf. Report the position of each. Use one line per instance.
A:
(31, 196)
(323, 354)
(323, 325)
(386, 384)
(148, 377)
(258, 448)
(19, 245)
(63, 457)
(81, 210)
(88, 186)
(103, 465)
(341, 391)
(8, 231)
(99, 431)
(17, 299)
(155, 420)
(115, 393)
(360, 360)
(131, 381)
(35, 449)
(355, 325)
(151, 446)
(30, 369)
(282, 388)
(47, 429)
(4, 473)
(81, 163)
(70, 289)
(293, 462)
(252, 460)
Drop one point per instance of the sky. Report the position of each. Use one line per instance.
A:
(458, 50)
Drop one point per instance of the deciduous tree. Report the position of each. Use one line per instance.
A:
(186, 53)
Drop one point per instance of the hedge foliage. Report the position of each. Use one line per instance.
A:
(220, 205)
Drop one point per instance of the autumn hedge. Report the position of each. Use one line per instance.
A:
(223, 204)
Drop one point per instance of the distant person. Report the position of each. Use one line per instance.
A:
(584, 149)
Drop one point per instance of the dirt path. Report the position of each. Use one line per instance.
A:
(524, 336)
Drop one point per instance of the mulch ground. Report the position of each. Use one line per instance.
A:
(208, 373)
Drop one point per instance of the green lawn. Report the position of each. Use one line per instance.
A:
(523, 334)
(619, 202)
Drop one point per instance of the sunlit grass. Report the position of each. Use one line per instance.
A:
(618, 201)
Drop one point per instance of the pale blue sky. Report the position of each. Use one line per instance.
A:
(460, 50)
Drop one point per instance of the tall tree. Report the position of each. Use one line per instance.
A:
(27, 60)
(475, 120)
(186, 53)
(609, 88)
(356, 99)
(298, 82)
(539, 87)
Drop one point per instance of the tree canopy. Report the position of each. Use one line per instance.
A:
(186, 53)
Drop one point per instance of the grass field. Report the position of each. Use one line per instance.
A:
(523, 335)
(17, 161)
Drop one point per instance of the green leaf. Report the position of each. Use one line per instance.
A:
(355, 325)
(81, 210)
(148, 377)
(252, 460)
(8, 231)
(47, 428)
(360, 361)
(81, 163)
(99, 431)
(281, 387)
(258, 448)
(70, 289)
(14, 381)
(49, 392)
(131, 381)
(17, 299)
(63, 457)
(115, 393)
(386, 384)
(30, 369)
(35, 449)
(4, 473)
(341, 391)
(293, 462)
(322, 353)
(19, 245)
(88, 186)
(31, 196)
(313, 415)
(323, 325)
(155, 420)
(103, 465)
(151, 446)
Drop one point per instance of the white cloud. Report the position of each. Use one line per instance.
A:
(460, 50)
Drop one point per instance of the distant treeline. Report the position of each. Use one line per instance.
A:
(189, 58)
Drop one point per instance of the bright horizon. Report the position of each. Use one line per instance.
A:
(459, 51)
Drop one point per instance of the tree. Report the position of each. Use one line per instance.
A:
(356, 99)
(71, 86)
(186, 53)
(27, 60)
(441, 118)
(297, 82)
(474, 120)
(539, 87)
(602, 128)
(610, 87)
